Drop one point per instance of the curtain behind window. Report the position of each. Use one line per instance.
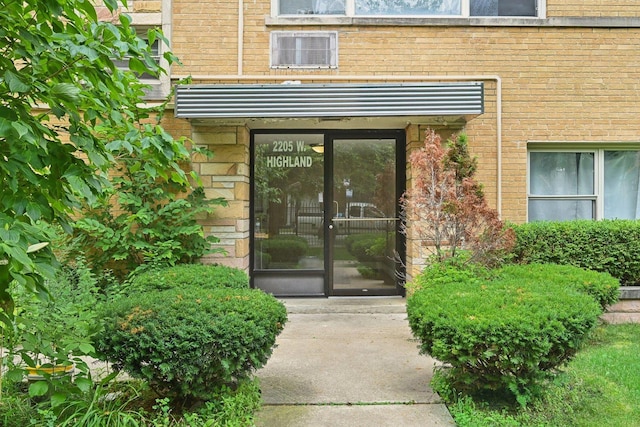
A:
(621, 179)
(561, 174)
(408, 7)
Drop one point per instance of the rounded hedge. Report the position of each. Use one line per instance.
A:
(190, 341)
(209, 276)
(502, 329)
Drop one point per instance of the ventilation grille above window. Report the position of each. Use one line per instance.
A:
(304, 49)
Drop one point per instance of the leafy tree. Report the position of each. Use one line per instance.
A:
(447, 207)
(59, 90)
(155, 224)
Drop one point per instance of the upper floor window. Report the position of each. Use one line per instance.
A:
(304, 49)
(463, 8)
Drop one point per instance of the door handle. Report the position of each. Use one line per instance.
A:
(330, 226)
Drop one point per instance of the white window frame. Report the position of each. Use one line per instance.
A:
(464, 6)
(333, 50)
(598, 163)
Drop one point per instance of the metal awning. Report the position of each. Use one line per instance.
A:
(328, 100)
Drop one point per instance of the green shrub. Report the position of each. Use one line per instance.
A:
(16, 410)
(191, 275)
(611, 246)
(458, 269)
(230, 408)
(285, 248)
(155, 224)
(504, 330)
(55, 329)
(190, 341)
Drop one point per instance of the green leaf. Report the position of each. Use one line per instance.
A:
(66, 92)
(15, 84)
(22, 130)
(19, 255)
(86, 348)
(151, 36)
(58, 399)
(16, 374)
(6, 127)
(38, 388)
(112, 4)
(88, 8)
(84, 384)
(9, 236)
(137, 66)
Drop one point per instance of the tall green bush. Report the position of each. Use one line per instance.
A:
(611, 246)
(152, 226)
(60, 92)
(505, 329)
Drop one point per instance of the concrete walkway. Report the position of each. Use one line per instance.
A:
(348, 362)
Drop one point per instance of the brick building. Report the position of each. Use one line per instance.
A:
(312, 107)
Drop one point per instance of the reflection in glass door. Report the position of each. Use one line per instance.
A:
(288, 256)
(364, 219)
(324, 215)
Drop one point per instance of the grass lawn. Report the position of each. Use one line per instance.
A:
(599, 388)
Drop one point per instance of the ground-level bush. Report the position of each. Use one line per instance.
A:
(505, 329)
(191, 275)
(131, 403)
(612, 246)
(190, 341)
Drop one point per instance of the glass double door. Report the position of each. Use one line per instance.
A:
(325, 213)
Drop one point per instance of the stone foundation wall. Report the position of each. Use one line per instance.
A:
(627, 310)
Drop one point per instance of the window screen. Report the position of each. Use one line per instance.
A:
(290, 49)
(503, 8)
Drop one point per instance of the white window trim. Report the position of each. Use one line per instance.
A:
(465, 12)
(598, 176)
(328, 34)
